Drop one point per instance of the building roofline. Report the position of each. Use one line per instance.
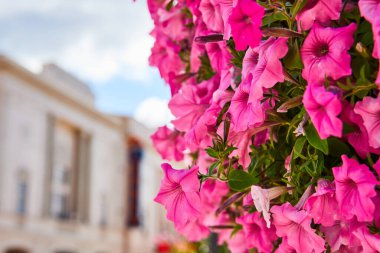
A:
(34, 80)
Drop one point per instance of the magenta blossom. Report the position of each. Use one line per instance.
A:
(369, 110)
(200, 134)
(359, 138)
(219, 55)
(324, 52)
(194, 230)
(318, 10)
(369, 9)
(179, 194)
(322, 205)
(370, 242)
(242, 141)
(237, 243)
(256, 233)
(169, 143)
(212, 193)
(245, 114)
(355, 186)
(376, 166)
(189, 104)
(376, 38)
(376, 46)
(245, 21)
(165, 56)
(264, 63)
(226, 9)
(284, 247)
(323, 108)
(294, 225)
(172, 23)
(211, 15)
(262, 197)
(340, 235)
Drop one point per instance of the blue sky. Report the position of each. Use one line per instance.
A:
(105, 43)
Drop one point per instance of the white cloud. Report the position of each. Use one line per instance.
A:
(94, 39)
(153, 112)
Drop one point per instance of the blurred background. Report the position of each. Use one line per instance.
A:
(78, 103)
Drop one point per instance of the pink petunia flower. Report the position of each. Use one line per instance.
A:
(226, 9)
(169, 143)
(194, 230)
(179, 194)
(294, 225)
(324, 52)
(376, 202)
(237, 243)
(322, 205)
(369, 110)
(323, 108)
(262, 197)
(245, 114)
(376, 38)
(219, 55)
(359, 138)
(243, 140)
(256, 233)
(172, 23)
(197, 49)
(211, 15)
(370, 242)
(199, 136)
(245, 21)
(212, 193)
(355, 186)
(263, 62)
(189, 104)
(322, 11)
(376, 166)
(165, 55)
(369, 9)
(340, 235)
(284, 247)
(376, 47)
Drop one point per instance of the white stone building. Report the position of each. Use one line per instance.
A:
(72, 180)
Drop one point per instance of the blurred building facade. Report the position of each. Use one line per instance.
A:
(72, 180)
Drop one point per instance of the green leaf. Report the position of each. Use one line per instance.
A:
(169, 5)
(212, 168)
(292, 60)
(297, 6)
(337, 147)
(211, 152)
(298, 146)
(348, 129)
(239, 180)
(273, 17)
(314, 140)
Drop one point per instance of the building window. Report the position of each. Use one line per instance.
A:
(68, 172)
(103, 222)
(135, 154)
(16, 250)
(22, 192)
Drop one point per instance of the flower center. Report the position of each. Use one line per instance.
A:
(351, 183)
(322, 50)
(248, 20)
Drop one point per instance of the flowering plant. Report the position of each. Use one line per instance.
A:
(277, 114)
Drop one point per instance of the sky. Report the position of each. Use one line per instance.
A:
(104, 43)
